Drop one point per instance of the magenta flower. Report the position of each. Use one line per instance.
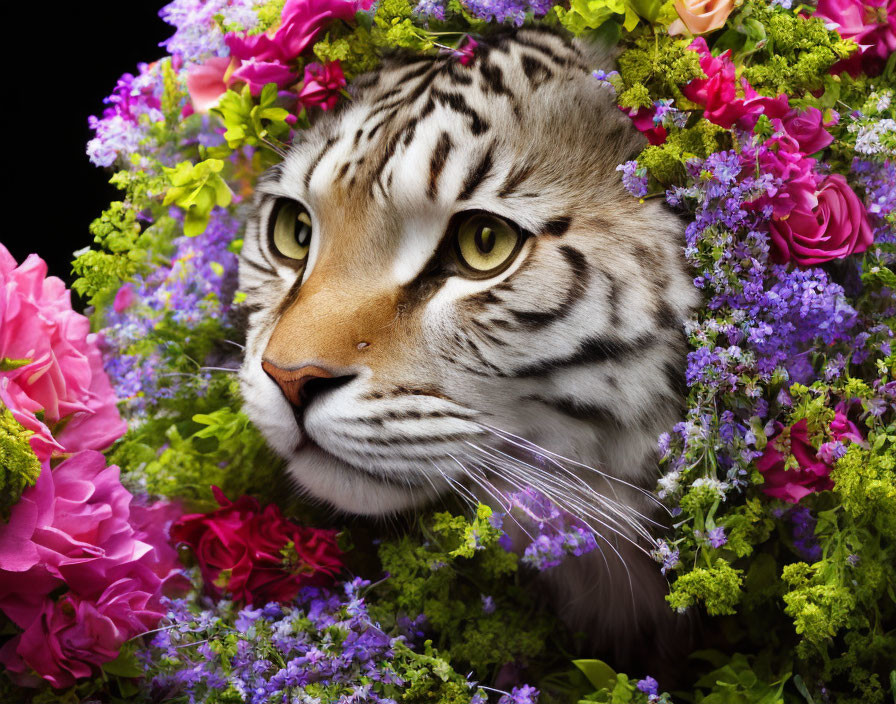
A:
(300, 23)
(465, 52)
(75, 529)
(322, 85)
(807, 128)
(55, 364)
(642, 118)
(124, 298)
(717, 92)
(870, 23)
(257, 74)
(795, 174)
(835, 227)
(810, 476)
(70, 638)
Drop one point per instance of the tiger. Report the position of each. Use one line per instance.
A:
(448, 290)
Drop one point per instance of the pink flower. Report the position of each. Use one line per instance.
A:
(717, 92)
(810, 476)
(76, 529)
(642, 118)
(842, 428)
(870, 23)
(265, 58)
(835, 227)
(63, 376)
(257, 74)
(322, 85)
(124, 299)
(465, 52)
(255, 555)
(300, 23)
(71, 638)
(781, 158)
(807, 128)
(208, 81)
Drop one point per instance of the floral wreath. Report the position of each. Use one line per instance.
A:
(145, 549)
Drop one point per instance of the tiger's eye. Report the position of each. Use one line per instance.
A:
(291, 230)
(486, 244)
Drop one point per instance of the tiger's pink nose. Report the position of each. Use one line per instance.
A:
(295, 382)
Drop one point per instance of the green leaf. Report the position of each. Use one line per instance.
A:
(599, 674)
(125, 665)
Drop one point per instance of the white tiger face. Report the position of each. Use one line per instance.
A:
(448, 273)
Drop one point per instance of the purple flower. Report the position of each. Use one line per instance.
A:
(716, 537)
(649, 686)
(634, 178)
(513, 11)
(525, 694)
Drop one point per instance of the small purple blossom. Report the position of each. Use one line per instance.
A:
(634, 178)
(526, 694)
(649, 686)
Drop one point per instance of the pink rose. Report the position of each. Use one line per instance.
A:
(810, 476)
(717, 92)
(642, 118)
(700, 16)
(753, 105)
(63, 376)
(322, 85)
(835, 227)
(870, 23)
(75, 528)
(71, 638)
(256, 555)
(807, 127)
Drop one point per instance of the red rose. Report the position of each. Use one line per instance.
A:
(791, 485)
(835, 227)
(255, 556)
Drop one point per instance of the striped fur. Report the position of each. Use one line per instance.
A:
(560, 372)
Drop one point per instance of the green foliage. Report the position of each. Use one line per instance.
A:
(716, 586)
(445, 576)
(654, 67)
(742, 679)
(19, 466)
(665, 162)
(782, 52)
(254, 122)
(124, 246)
(197, 188)
(194, 443)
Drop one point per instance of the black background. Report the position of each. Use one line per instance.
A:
(66, 63)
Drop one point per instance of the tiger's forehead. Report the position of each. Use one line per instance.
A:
(424, 140)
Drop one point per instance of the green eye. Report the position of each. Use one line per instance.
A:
(486, 244)
(291, 230)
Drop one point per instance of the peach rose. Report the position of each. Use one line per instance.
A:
(700, 16)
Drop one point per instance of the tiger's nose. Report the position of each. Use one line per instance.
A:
(300, 385)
